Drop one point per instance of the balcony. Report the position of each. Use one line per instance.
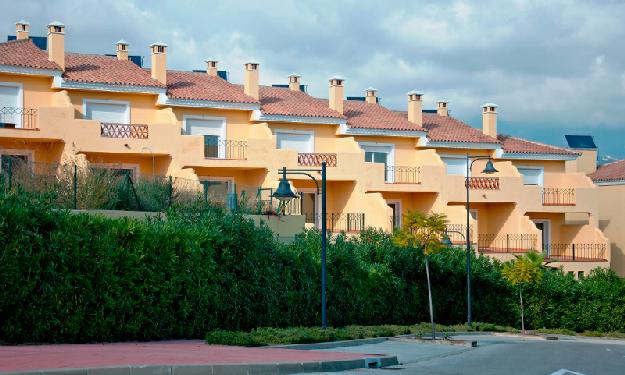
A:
(402, 175)
(216, 148)
(575, 252)
(454, 233)
(116, 130)
(335, 222)
(483, 183)
(558, 196)
(507, 243)
(315, 159)
(18, 118)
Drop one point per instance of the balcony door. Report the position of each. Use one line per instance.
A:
(299, 141)
(213, 129)
(381, 153)
(544, 226)
(111, 111)
(10, 105)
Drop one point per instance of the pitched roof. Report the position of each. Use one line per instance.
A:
(450, 129)
(25, 54)
(365, 115)
(522, 146)
(286, 102)
(614, 171)
(201, 86)
(106, 69)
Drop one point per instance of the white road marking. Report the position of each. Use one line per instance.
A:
(564, 371)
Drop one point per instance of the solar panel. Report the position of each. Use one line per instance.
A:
(39, 41)
(580, 141)
(302, 88)
(138, 60)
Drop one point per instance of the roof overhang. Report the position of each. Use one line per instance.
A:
(610, 182)
(463, 145)
(348, 130)
(11, 69)
(163, 99)
(60, 83)
(527, 156)
(259, 116)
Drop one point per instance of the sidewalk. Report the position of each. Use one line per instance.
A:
(172, 357)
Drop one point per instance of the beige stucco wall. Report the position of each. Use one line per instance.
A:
(612, 222)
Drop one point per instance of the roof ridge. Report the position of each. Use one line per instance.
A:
(91, 54)
(538, 143)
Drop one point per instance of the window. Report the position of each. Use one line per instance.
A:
(455, 165)
(214, 131)
(217, 191)
(107, 111)
(531, 176)
(302, 142)
(10, 105)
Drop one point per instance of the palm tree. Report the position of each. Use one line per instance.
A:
(524, 270)
(424, 231)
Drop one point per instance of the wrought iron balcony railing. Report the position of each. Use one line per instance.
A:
(575, 252)
(483, 183)
(335, 222)
(315, 159)
(216, 148)
(507, 243)
(115, 130)
(457, 238)
(18, 118)
(402, 175)
(558, 197)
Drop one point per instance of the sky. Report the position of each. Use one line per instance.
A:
(553, 67)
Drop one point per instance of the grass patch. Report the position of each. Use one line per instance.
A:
(309, 335)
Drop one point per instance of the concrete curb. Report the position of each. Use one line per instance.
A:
(224, 369)
(332, 344)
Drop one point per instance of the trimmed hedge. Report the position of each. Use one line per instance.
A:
(84, 278)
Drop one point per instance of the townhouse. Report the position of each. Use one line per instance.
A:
(62, 107)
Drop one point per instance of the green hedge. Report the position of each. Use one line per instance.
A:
(83, 278)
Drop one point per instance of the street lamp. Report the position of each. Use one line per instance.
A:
(488, 169)
(284, 194)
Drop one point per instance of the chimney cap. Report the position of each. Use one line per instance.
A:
(56, 23)
(489, 105)
(294, 75)
(442, 101)
(370, 89)
(159, 44)
(415, 92)
(121, 41)
(251, 62)
(22, 22)
(211, 60)
(337, 76)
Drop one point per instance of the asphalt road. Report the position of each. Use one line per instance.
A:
(497, 355)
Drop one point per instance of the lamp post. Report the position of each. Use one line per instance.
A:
(284, 193)
(488, 169)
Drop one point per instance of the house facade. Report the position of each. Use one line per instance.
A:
(63, 107)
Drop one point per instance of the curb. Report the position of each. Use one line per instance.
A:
(223, 369)
(332, 344)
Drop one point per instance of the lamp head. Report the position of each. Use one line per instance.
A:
(489, 168)
(284, 192)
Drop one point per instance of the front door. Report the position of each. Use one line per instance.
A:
(309, 207)
(396, 218)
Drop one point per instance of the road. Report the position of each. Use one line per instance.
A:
(501, 355)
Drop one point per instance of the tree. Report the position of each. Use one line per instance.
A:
(524, 270)
(424, 231)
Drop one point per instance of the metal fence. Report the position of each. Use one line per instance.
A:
(558, 196)
(16, 117)
(454, 233)
(575, 252)
(402, 175)
(507, 243)
(217, 148)
(337, 222)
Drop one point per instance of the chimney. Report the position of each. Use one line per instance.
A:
(415, 109)
(159, 62)
(21, 29)
(294, 82)
(122, 49)
(211, 67)
(56, 43)
(442, 108)
(250, 85)
(489, 119)
(336, 94)
(371, 95)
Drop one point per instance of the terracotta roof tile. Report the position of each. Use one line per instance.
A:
(450, 129)
(614, 171)
(106, 69)
(24, 53)
(365, 115)
(283, 101)
(523, 146)
(201, 86)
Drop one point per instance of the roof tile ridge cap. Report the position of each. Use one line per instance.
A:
(609, 164)
(16, 41)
